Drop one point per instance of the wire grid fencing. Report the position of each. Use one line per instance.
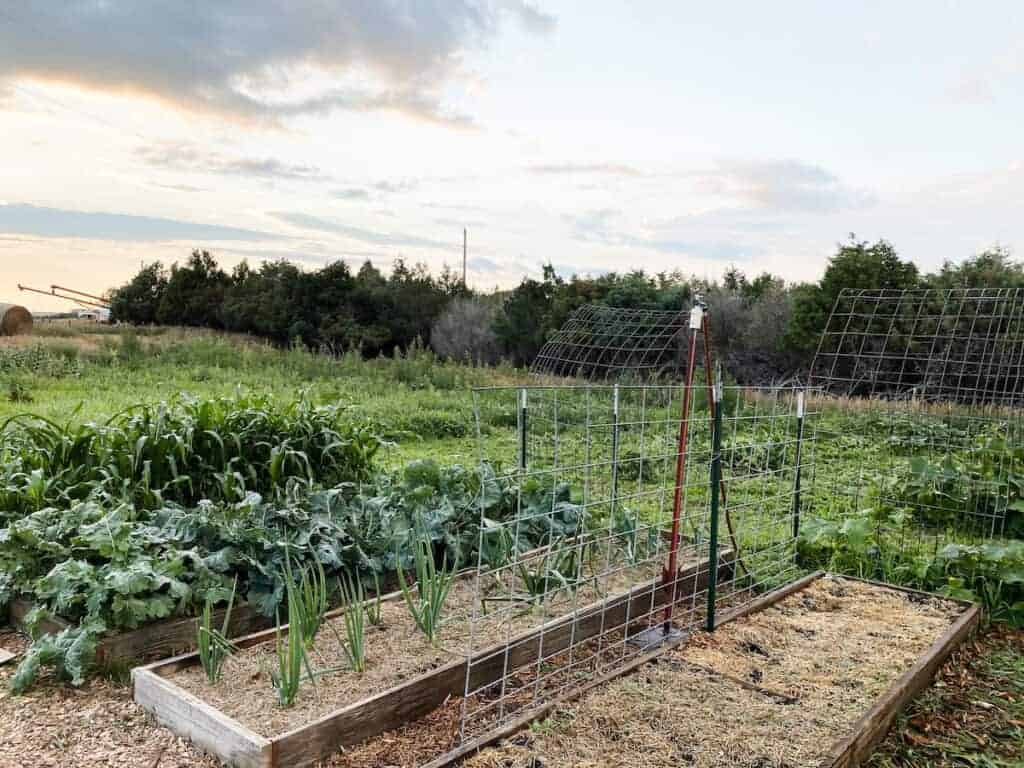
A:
(921, 435)
(596, 471)
(611, 343)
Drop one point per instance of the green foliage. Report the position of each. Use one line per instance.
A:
(184, 451)
(45, 361)
(213, 644)
(856, 264)
(312, 592)
(432, 587)
(559, 566)
(355, 613)
(373, 613)
(70, 653)
(963, 488)
(871, 545)
(290, 650)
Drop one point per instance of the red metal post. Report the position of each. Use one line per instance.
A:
(671, 571)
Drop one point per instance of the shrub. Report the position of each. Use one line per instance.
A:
(464, 331)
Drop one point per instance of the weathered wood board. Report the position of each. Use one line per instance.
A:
(161, 639)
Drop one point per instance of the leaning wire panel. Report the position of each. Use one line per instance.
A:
(610, 343)
(573, 583)
(963, 345)
(926, 387)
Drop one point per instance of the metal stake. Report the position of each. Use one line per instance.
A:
(716, 476)
(799, 455)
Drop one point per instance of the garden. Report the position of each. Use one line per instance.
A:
(207, 495)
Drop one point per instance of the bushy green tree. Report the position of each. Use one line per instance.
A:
(857, 264)
(992, 268)
(137, 300)
(194, 294)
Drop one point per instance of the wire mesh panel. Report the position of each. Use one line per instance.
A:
(952, 345)
(919, 434)
(607, 343)
(931, 473)
(599, 477)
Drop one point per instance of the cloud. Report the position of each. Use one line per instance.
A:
(782, 186)
(55, 222)
(352, 193)
(486, 266)
(445, 221)
(532, 18)
(237, 58)
(398, 185)
(980, 84)
(182, 156)
(181, 187)
(315, 223)
(603, 226)
(576, 169)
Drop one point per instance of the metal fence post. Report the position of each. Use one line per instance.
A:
(799, 462)
(522, 430)
(716, 478)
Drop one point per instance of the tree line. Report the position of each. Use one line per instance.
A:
(764, 328)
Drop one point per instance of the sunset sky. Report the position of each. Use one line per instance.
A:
(592, 135)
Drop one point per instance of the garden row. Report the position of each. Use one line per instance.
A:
(171, 510)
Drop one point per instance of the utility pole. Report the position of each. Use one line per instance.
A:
(464, 238)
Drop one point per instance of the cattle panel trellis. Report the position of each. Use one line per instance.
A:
(596, 473)
(925, 386)
(610, 343)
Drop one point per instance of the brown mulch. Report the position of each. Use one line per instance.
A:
(972, 715)
(97, 725)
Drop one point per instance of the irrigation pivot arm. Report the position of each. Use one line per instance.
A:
(99, 299)
(53, 293)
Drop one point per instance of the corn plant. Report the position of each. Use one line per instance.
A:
(214, 646)
(353, 598)
(432, 587)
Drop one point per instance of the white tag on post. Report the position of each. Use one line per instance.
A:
(696, 318)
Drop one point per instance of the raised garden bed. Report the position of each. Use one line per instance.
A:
(812, 677)
(406, 678)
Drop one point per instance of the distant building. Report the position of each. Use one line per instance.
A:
(95, 314)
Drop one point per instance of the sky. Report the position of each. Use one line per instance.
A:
(594, 135)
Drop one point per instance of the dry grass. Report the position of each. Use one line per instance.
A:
(819, 659)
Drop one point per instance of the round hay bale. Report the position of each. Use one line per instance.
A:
(14, 320)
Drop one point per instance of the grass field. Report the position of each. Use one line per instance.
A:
(424, 408)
